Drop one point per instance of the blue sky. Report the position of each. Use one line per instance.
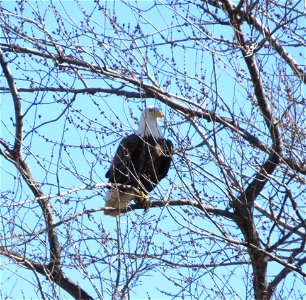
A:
(97, 123)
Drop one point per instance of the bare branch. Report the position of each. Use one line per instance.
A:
(268, 36)
(64, 282)
(17, 106)
(91, 91)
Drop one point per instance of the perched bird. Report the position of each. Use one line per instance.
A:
(140, 162)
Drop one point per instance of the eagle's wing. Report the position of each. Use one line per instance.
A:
(124, 166)
(157, 164)
(167, 158)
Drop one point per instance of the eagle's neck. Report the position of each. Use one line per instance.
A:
(149, 126)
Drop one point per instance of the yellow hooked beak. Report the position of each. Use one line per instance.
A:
(158, 114)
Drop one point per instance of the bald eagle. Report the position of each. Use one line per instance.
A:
(140, 162)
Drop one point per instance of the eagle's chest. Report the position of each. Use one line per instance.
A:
(152, 156)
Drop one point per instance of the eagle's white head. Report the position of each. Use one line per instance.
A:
(148, 123)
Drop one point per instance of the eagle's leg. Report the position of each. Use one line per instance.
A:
(144, 202)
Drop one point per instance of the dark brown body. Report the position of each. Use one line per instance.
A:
(141, 162)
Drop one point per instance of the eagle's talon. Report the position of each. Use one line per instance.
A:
(144, 202)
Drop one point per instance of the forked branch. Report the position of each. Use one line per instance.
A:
(72, 288)
(53, 270)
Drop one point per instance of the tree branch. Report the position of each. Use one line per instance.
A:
(244, 204)
(17, 107)
(154, 204)
(251, 20)
(281, 275)
(45, 205)
(182, 265)
(15, 156)
(282, 223)
(47, 271)
(115, 91)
